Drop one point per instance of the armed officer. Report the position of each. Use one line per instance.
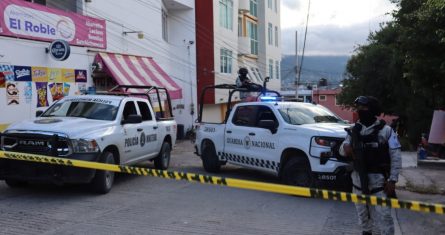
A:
(375, 151)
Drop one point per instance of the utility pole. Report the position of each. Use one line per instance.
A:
(296, 64)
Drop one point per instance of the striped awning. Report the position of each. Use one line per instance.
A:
(138, 70)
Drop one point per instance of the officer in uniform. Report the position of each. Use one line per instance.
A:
(242, 81)
(375, 151)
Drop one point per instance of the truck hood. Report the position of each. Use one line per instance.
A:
(74, 127)
(328, 129)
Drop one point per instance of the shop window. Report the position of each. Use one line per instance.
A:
(322, 98)
(71, 6)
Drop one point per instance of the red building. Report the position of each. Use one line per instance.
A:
(328, 98)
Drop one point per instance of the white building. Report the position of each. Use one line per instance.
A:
(150, 42)
(233, 34)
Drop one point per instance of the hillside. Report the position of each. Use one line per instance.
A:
(314, 68)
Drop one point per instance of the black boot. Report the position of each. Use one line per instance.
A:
(366, 233)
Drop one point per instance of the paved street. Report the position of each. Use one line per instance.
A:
(146, 205)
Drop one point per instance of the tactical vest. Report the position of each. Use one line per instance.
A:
(377, 158)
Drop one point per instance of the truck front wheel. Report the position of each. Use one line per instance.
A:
(163, 159)
(210, 160)
(297, 172)
(103, 180)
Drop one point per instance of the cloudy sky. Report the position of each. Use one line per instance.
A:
(335, 27)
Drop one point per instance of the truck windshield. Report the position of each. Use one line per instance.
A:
(90, 110)
(299, 115)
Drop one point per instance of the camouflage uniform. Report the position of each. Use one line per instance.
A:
(376, 216)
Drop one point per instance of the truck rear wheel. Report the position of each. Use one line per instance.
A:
(297, 172)
(162, 161)
(210, 160)
(103, 180)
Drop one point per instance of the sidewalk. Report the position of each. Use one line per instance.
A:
(425, 176)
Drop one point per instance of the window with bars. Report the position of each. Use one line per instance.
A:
(276, 36)
(270, 68)
(269, 34)
(253, 7)
(252, 30)
(277, 69)
(226, 14)
(164, 25)
(226, 60)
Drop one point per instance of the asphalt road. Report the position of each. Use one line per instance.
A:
(148, 205)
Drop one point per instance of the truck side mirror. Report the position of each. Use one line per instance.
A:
(39, 113)
(132, 119)
(268, 124)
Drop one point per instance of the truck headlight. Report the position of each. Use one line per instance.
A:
(326, 141)
(84, 146)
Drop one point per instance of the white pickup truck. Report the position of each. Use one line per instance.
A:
(114, 128)
(296, 141)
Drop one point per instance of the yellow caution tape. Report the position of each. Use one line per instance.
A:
(235, 183)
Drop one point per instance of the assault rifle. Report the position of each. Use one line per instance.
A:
(358, 157)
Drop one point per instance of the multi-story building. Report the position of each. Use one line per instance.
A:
(132, 42)
(236, 33)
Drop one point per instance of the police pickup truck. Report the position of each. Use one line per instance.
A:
(296, 141)
(115, 127)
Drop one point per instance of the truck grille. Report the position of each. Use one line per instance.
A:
(49, 145)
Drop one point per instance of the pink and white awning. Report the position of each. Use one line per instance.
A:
(138, 70)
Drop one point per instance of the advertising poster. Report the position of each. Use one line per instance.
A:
(12, 93)
(81, 75)
(82, 88)
(42, 100)
(39, 74)
(66, 89)
(22, 73)
(2, 80)
(56, 90)
(7, 71)
(28, 92)
(55, 75)
(68, 75)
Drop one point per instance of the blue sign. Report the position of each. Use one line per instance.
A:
(59, 50)
(22, 73)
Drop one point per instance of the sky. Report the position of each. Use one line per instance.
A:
(335, 27)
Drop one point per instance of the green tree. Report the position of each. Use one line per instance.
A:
(403, 65)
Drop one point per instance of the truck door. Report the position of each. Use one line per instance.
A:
(249, 144)
(131, 140)
(148, 132)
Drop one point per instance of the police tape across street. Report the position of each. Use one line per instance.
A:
(234, 183)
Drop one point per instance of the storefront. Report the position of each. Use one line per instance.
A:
(44, 57)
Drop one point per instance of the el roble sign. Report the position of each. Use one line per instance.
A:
(59, 50)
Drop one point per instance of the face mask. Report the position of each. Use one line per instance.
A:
(366, 117)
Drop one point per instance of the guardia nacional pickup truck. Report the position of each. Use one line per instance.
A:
(296, 141)
(114, 127)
